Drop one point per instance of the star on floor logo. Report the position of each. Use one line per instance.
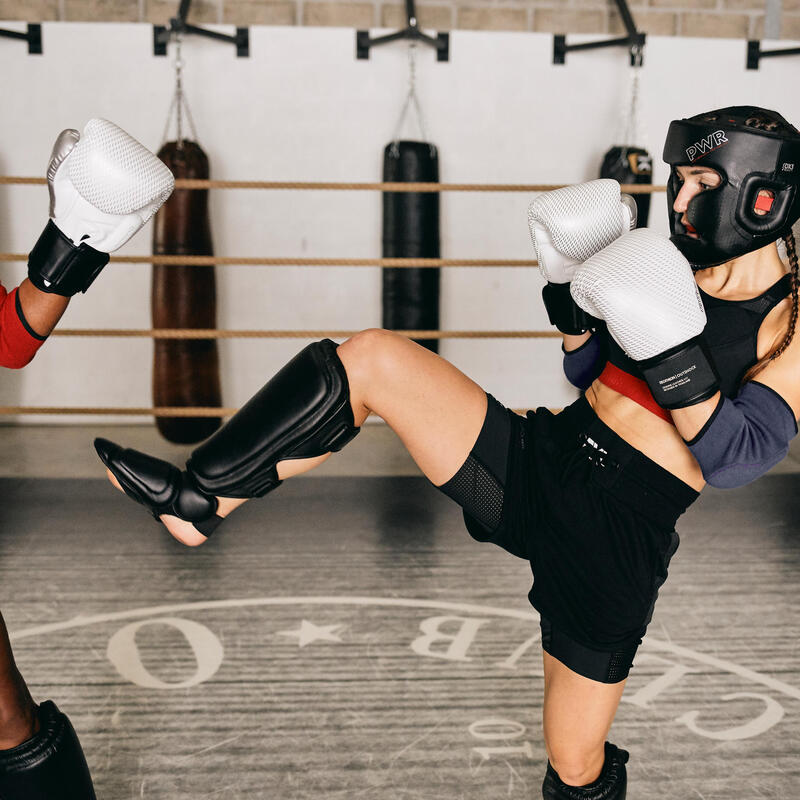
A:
(308, 633)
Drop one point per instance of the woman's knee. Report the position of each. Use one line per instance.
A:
(370, 346)
(370, 356)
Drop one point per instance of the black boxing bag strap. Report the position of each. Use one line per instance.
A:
(48, 766)
(303, 411)
(57, 266)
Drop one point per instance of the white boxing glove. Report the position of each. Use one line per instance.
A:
(645, 290)
(104, 186)
(567, 226)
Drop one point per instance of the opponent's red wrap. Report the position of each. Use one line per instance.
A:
(634, 388)
(18, 342)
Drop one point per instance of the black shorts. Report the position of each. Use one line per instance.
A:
(594, 517)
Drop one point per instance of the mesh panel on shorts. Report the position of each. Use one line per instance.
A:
(114, 172)
(618, 285)
(581, 219)
(619, 666)
(477, 491)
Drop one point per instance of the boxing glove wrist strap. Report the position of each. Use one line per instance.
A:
(563, 311)
(682, 376)
(57, 266)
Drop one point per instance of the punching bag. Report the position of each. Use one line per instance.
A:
(185, 372)
(411, 230)
(631, 165)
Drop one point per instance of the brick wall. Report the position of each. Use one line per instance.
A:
(739, 19)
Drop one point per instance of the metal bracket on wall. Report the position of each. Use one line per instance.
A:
(33, 37)
(634, 40)
(755, 53)
(440, 43)
(178, 25)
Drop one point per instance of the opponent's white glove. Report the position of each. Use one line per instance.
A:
(104, 187)
(567, 226)
(645, 290)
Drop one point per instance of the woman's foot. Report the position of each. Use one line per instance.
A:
(171, 496)
(183, 530)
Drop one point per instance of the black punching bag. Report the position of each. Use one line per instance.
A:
(631, 165)
(185, 371)
(411, 230)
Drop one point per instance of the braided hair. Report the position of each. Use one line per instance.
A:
(791, 252)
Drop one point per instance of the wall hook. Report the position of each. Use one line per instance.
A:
(162, 34)
(440, 43)
(33, 37)
(755, 53)
(634, 40)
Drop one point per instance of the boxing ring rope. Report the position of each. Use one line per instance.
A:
(216, 333)
(184, 183)
(204, 261)
(232, 261)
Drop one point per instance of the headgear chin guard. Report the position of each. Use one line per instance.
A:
(752, 149)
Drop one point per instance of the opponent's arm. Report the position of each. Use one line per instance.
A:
(41, 311)
(19, 339)
(103, 188)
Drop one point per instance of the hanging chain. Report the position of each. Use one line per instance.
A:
(179, 103)
(178, 90)
(411, 98)
(630, 132)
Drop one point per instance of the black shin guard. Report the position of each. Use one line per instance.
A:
(49, 766)
(302, 412)
(610, 785)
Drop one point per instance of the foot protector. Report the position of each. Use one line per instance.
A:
(159, 486)
(303, 411)
(610, 785)
(49, 766)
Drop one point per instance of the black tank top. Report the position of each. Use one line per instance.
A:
(731, 334)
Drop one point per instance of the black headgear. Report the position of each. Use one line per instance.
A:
(752, 149)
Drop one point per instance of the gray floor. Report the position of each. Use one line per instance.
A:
(345, 638)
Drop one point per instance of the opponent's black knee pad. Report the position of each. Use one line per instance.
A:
(610, 785)
(303, 411)
(48, 766)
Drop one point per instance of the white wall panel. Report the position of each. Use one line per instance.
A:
(302, 108)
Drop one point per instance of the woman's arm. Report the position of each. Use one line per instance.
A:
(583, 358)
(783, 375)
(737, 440)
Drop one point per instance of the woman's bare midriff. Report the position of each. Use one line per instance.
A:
(653, 436)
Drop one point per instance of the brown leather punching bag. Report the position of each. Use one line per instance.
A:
(185, 372)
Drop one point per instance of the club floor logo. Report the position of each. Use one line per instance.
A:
(438, 638)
